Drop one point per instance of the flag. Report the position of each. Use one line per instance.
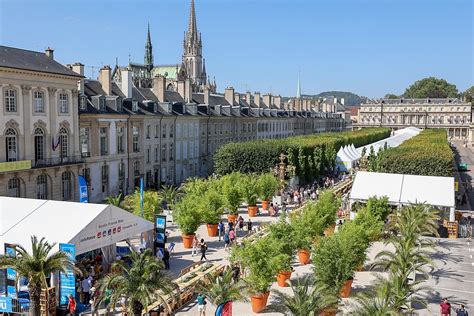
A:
(224, 309)
(141, 196)
(83, 195)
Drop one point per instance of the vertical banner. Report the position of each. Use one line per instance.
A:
(67, 281)
(160, 233)
(6, 305)
(10, 274)
(142, 192)
(83, 198)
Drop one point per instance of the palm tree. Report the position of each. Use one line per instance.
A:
(222, 288)
(115, 200)
(170, 194)
(37, 267)
(307, 298)
(141, 283)
(151, 204)
(377, 302)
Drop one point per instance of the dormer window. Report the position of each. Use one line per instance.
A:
(83, 103)
(134, 106)
(155, 107)
(102, 104)
(118, 104)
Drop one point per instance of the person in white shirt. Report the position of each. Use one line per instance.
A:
(86, 286)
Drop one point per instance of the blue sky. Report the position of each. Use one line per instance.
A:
(370, 47)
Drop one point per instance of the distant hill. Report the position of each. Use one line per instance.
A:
(350, 99)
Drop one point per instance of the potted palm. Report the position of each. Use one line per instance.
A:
(37, 267)
(211, 207)
(220, 289)
(249, 192)
(282, 245)
(267, 186)
(232, 196)
(188, 218)
(282, 265)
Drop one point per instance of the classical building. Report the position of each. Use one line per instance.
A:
(39, 143)
(192, 66)
(454, 115)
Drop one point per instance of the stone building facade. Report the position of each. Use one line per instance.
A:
(39, 143)
(452, 114)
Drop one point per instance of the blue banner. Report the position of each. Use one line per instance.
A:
(142, 192)
(10, 279)
(6, 304)
(83, 197)
(67, 280)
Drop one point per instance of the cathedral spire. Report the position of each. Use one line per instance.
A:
(148, 51)
(192, 33)
(298, 89)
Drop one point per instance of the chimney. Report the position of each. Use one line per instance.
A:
(237, 98)
(159, 88)
(248, 98)
(207, 94)
(104, 79)
(181, 88)
(342, 101)
(256, 99)
(229, 95)
(267, 100)
(325, 107)
(188, 91)
(79, 69)
(126, 83)
(277, 101)
(49, 52)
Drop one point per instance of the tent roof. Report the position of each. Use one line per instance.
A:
(82, 224)
(392, 141)
(404, 189)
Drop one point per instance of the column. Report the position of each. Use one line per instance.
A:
(27, 144)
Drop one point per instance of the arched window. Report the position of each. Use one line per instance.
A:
(42, 187)
(10, 100)
(63, 143)
(11, 144)
(14, 187)
(39, 145)
(66, 186)
(38, 101)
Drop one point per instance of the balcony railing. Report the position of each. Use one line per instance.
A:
(49, 162)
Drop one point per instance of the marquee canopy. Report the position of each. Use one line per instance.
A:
(402, 189)
(88, 226)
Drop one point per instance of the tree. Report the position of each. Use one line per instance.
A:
(36, 267)
(307, 299)
(222, 288)
(151, 204)
(115, 200)
(431, 87)
(377, 302)
(391, 96)
(170, 194)
(142, 282)
(468, 94)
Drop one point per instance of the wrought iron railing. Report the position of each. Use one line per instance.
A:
(57, 161)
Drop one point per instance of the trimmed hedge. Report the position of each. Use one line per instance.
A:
(427, 154)
(311, 155)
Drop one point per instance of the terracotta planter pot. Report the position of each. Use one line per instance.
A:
(330, 311)
(346, 288)
(212, 230)
(259, 302)
(282, 277)
(232, 218)
(265, 205)
(188, 240)
(330, 230)
(304, 256)
(252, 210)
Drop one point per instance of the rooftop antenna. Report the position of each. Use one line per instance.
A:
(129, 58)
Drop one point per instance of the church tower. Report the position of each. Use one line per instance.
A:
(192, 52)
(148, 54)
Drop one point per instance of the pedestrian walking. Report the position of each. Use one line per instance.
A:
(201, 301)
(445, 307)
(241, 224)
(230, 225)
(94, 301)
(166, 259)
(249, 225)
(203, 249)
(461, 311)
(220, 229)
(226, 240)
(71, 305)
(86, 287)
(232, 236)
(195, 246)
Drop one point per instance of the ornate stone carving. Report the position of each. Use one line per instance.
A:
(25, 89)
(52, 90)
(13, 124)
(75, 93)
(40, 124)
(64, 124)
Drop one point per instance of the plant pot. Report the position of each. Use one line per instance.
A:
(282, 277)
(232, 217)
(329, 311)
(212, 230)
(265, 205)
(330, 230)
(304, 256)
(188, 240)
(346, 288)
(259, 302)
(252, 210)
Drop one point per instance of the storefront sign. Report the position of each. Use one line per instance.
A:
(6, 305)
(10, 274)
(67, 280)
(15, 165)
(83, 198)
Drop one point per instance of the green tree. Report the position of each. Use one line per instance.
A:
(151, 204)
(377, 302)
(36, 267)
(222, 288)
(142, 282)
(391, 96)
(431, 87)
(170, 194)
(115, 200)
(468, 94)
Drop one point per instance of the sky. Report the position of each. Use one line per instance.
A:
(369, 47)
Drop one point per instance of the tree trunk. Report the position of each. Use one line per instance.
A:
(137, 308)
(35, 294)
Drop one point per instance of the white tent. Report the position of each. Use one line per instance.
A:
(392, 141)
(401, 189)
(343, 160)
(86, 225)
